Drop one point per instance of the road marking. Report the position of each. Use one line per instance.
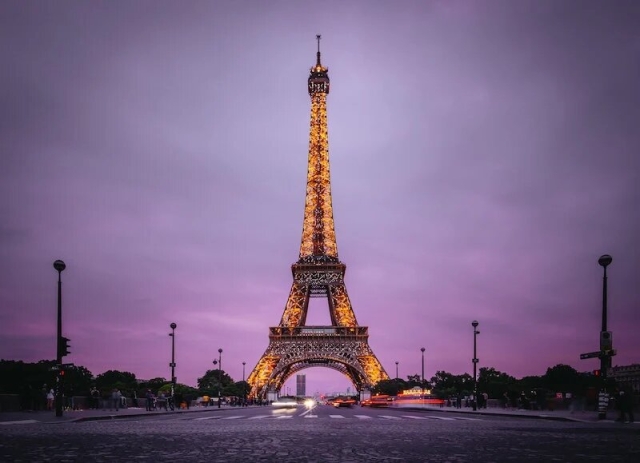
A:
(206, 418)
(363, 417)
(416, 417)
(468, 419)
(235, 417)
(310, 416)
(442, 418)
(258, 417)
(336, 416)
(20, 422)
(284, 417)
(390, 417)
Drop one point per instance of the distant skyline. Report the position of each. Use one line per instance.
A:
(484, 154)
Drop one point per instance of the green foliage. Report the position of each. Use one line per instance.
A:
(123, 380)
(389, 387)
(494, 382)
(214, 381)
(446, 384)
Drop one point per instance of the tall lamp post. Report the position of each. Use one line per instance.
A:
(397, 369)
(59, 266)
(244, 387)
(475, 364)
(605, 336)
(422, 378)
(173, 358)
(219, 375)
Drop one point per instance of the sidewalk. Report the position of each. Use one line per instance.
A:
(557, 415)
(27, 417)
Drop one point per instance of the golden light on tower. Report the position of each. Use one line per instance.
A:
(343, 345)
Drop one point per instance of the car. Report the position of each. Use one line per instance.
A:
(377, 401)
(343, 402)
(285, 402)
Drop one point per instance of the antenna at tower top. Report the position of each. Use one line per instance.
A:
(318, 37)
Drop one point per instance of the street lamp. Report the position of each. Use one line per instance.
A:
(397, 369)
(219, 375)
(475, 364)
(173, 358)
(605, 336)
(244, 387)
(59, 266)
(422, 379)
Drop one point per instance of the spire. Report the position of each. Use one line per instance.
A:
(318, 37)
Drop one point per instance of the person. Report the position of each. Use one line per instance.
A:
(95, 398)
(149, 397)
(162, 401)
(115, 398)
(505, 400)
(135, 399)
(50, 397)
(624, 402)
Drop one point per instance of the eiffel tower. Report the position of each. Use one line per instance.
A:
(294, 346)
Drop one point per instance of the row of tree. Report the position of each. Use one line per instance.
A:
(560, 378)
(31, 380)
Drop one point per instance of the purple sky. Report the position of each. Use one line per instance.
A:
(483, 155)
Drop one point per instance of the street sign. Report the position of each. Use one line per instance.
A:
(599, 354)
(590, 355)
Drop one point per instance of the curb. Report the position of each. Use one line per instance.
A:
(509, 415)
(146, 414)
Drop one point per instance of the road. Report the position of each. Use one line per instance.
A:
(323, 434)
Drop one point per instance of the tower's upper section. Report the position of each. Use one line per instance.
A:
(318, 231)
(318, 78)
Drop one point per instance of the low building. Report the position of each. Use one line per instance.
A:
(627, 376)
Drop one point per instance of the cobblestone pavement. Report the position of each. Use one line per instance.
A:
(343, 436)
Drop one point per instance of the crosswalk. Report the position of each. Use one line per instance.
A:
(336, 417)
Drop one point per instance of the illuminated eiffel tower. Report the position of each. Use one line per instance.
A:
(294, 346)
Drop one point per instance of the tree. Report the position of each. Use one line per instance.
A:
(388, 387)
(562, 378)
(110, 379)
(446, 384)
(494, 382)
(214, 381)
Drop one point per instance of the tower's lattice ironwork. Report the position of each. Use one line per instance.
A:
(294, 346)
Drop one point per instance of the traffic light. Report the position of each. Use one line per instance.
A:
(63, 347)
(596, 372)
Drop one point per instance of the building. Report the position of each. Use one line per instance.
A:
(627, 376)
(301, 385)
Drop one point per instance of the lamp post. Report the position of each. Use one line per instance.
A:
(59, 266)
(475, 364)
(244, 387)
(219, 376)
(173, 358)
(397, 369)
(422, 378)
(605, 336)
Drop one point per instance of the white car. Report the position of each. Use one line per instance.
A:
(285, 402)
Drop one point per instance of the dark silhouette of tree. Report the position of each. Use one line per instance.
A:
(494, 382)
(214, 380)
(562, 378)
(110, 379)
